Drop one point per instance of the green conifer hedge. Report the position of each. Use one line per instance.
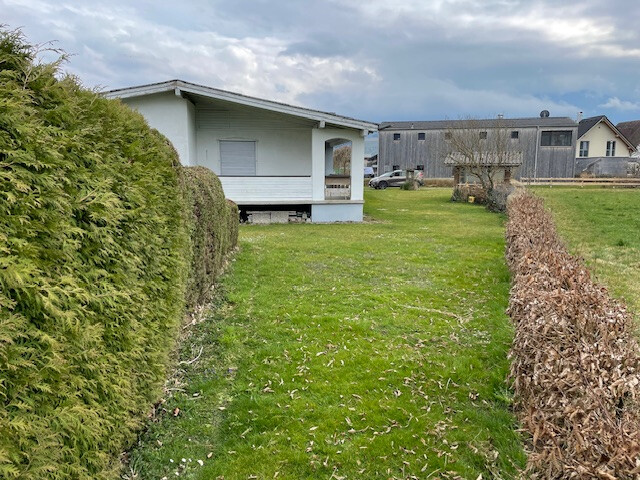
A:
(94, 258)
(214, 231)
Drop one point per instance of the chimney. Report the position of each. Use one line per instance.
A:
(579, 117)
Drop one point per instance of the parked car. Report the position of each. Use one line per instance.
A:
(368, 172)
(394, 179)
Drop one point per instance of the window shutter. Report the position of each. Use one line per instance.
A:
(237, 158)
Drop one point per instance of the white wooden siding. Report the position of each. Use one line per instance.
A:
(283, 142)
(238, 117)
(267, 189)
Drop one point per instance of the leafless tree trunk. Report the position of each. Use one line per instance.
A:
(342, 160)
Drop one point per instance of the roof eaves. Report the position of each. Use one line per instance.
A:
(551, 122)
(619, 134)
(239, 98)
(141, 90)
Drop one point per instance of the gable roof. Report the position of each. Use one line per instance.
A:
(179, 86)
(588, 123)
(631, 130)
(483, 123)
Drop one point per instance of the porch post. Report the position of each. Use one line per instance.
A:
(357, 167)
(317, 165)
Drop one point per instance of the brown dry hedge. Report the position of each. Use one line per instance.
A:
(575, 360)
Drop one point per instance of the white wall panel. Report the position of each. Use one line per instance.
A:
(267, 189)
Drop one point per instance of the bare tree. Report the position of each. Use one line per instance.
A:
(342, 159)
(484, 150)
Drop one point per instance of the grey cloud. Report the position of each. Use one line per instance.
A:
(375, 60)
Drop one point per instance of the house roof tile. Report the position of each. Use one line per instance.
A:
(631, 130)
(588, 123)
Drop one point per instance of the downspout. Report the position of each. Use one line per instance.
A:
(535, 161)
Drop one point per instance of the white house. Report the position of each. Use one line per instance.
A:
(601, 148)
(265, 152)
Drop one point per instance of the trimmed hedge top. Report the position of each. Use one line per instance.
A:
(214, 231)
(94, 253)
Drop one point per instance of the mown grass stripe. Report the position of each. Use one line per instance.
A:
(359, 351)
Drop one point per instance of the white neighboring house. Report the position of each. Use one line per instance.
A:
(601, 148)
(265, 152)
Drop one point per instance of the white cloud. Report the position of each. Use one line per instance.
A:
(617, 104)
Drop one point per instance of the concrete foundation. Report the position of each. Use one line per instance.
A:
(342, 212)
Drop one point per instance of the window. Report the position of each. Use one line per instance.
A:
(396, 167)
(483, 135)
(421, 136)
(558, 138)
(237, 158)
(396, 136)
(584, 149)
(447, 135)
(611, 148)
(419, 167)
(515, 134)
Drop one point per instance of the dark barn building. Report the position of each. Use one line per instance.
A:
(548, 145)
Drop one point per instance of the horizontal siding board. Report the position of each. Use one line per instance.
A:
(218, 118)
(265, 189)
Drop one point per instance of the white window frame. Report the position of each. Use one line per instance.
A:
(611, 148)
(584, 148)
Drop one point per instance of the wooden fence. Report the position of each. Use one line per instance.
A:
(627, 182)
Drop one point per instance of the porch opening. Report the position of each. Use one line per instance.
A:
(337, 184)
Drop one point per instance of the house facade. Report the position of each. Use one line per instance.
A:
(602, 149)
(265, 153)
(547, 144)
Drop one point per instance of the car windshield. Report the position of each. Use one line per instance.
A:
(388, 174)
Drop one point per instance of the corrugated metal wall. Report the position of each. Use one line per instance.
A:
(409, 152)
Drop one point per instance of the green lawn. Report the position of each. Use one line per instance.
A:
(350, 351)
(602, 226)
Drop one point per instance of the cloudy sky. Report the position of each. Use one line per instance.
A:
(372, 59)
